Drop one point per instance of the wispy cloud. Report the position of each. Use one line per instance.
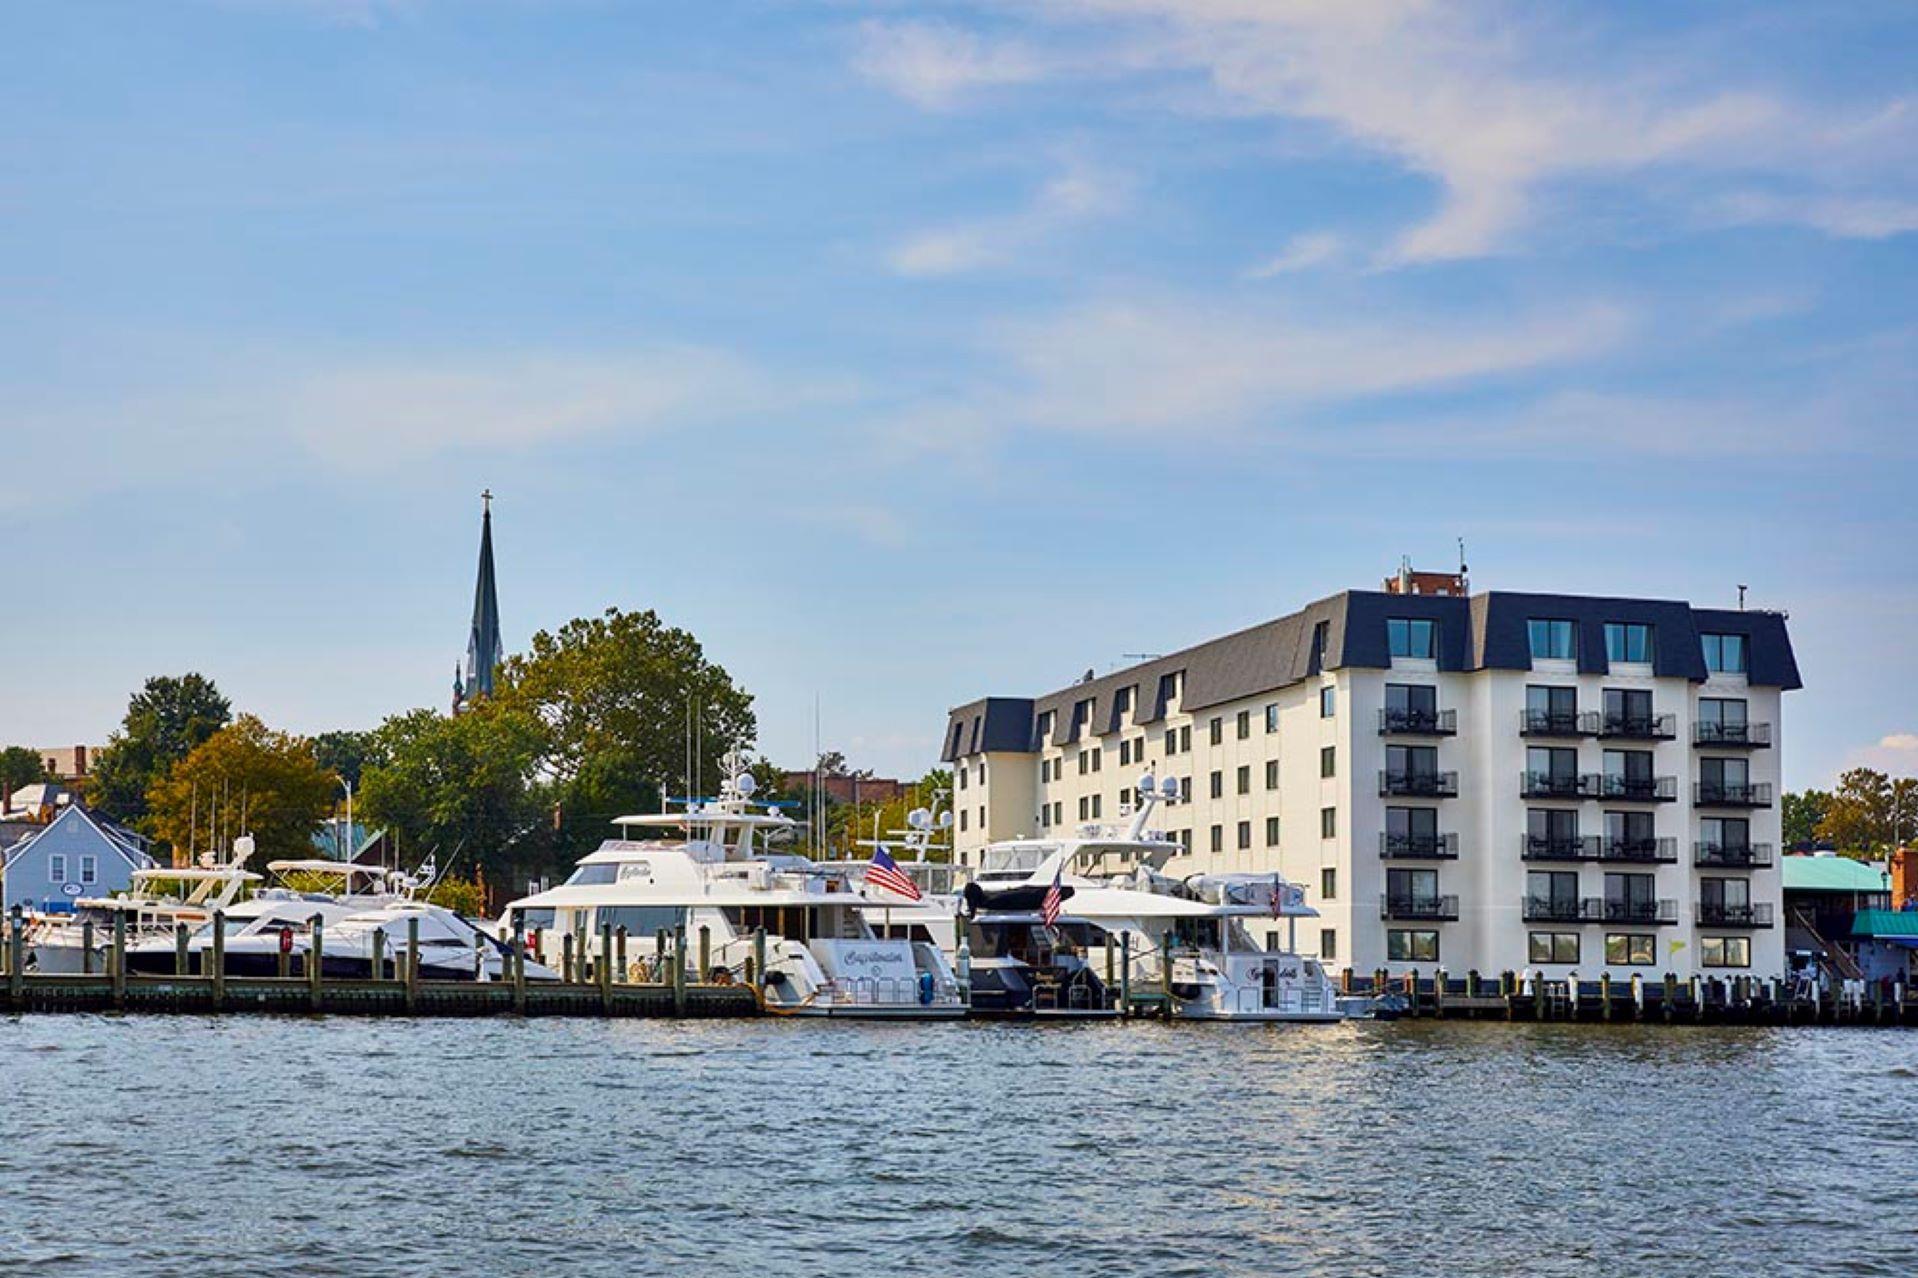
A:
(1188, 368)
(938, 64)
(1302, 253)
(1077, 194)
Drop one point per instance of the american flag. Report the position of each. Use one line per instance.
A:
(1049, 908)
(885, 872)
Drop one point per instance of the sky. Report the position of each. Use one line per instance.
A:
(907, 353)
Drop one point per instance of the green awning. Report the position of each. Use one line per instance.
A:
(1885, 925)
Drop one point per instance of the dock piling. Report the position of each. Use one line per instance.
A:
(604, 969)
(758, 974)
(119, 961)
(16, 956)
(679, 969)
(413, 964)
(376, 968)
(86, 948)
(705, 952)
(218, 974)
(315, 961)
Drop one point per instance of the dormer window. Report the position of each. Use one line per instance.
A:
(1414, 637)
(1552, 639)
(1724, 654)
(1628, 641)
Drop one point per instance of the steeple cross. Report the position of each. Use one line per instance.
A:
(487, 497)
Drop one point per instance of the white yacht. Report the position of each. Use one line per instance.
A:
(157, 900)
(1187, 936)
(711, 867)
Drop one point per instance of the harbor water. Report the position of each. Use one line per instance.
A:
(248, 1146)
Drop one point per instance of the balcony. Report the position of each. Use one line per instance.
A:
(1419, 909)
(1555, 785)
(1725, 914)
(1407, 722)
(1418, 785)
(1418, 847)
(1557, 723)
(1754, 736)
(1732, 794)
(1640, 851)
(1739, 856)
(1547, 847)
(1635, 789)
(1605, 909)
(1553, 909)
(1639, 727)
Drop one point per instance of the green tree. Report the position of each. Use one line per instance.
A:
(1870, 813)
(346, 753)
(1801, 813)
(244, 779)
(464, 788)
(618, 696)
(165, 721)
(20, 765)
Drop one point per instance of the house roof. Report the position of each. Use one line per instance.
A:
(1831, 874)
(113, 836)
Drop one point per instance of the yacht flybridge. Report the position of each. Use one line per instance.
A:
(712, 868)
(155, 902)
(1120, 913)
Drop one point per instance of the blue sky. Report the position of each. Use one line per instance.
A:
(906, 353)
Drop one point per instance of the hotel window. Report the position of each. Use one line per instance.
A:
(982, 773)
(57, 867)
(1085, 762)
(1272, 717)
(1321, 640)
(1085, 807)
(1551, 640)
(1722, 719)
(1045, 815)
(1171, 742)
(1552, 894)
(1328, 823)
(1411, 705)
(1185, 739)
(1125, 798)
(1413, 637)
(1271, 832)
(1725, 836)
(1245, 835)
(1328, 761)
(1630, 949)
(1125, 753)
(1121, 703)
(1218, 838)
(1407, 946)
(1553, 947)
(1549, 709)
(1628, 711)
(962, 818)
(1630, 833)
(1185, 789)
(1628, 641)
(1218, 730)
(1271, 774)
(1724, 951)
(1411, 831)
(1058, 813)
(1095, 806)
(1328, 701)
(1721, 779)
(89, 869)
(1328, 943)
(963, 772)
(1329, 883)
(982, 816)
(1245, 778)
(1551, 831)
(1045, 773)
(1218, 784)
(1245, 724)
(1096, 752)
(1724, 654)
(1551, 768)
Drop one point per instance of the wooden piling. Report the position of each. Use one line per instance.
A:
(119, 961)
(679, 969)
(605, 968)
(376, 961)
(315, 962)
(180, 959)
(1125, 976)
(519, 976)
(759, 958)
(619, 947)
(413, 964)
(1604, 995)
(566, 958)
(86, 947)
(16, 956)
(705, 952)
(218, 974)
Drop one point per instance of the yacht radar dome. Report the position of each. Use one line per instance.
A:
(745, 784)
(919, 819)
(1170, 787)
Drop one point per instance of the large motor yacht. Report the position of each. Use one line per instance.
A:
(156, 901)
(1120, 912)
(712, 867)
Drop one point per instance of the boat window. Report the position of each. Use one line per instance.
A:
(1020, 858)
(640, 920)
(537, 919)
(596, 873)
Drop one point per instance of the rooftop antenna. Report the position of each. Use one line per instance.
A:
(1141, 656)
(1741, 596)
(1462, 569)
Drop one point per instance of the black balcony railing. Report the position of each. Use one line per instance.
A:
(1706, 733)
(1741, 855)
(1553, 909)
(1639, 727)
(1732, 794)
(1407, 722)
(1611, 785)
(1557, 723)
(1725, 914)
(1649, 851)
(1555, 785)
(1620, 910)
(1418, 784)
(1418, 847)
(1430, 909)
(1558, 847)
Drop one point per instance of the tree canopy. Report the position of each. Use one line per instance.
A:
(1869, 813)
(243, 779)
(1801, 813)
(164, 722)
(20, 765)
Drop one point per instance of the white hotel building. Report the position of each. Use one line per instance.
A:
(1471, 782)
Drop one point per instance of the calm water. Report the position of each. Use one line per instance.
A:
(260, 1146)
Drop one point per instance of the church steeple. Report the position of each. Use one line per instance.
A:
(484, 652)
